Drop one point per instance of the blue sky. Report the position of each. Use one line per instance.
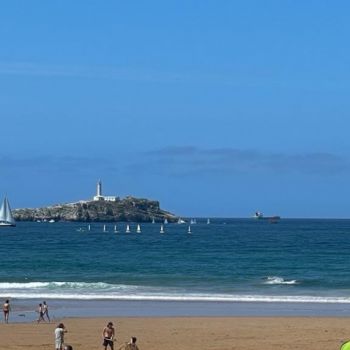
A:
(215, 108)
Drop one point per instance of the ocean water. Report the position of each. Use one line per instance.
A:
(229, 260)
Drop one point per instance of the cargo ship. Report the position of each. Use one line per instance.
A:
(260, 216)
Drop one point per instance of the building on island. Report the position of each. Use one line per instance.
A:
(100, 197)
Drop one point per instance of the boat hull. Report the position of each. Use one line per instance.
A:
(5, 224)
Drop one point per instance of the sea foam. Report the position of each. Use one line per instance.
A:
(279, 280)
(106, 291)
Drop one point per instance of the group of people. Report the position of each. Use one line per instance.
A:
(108, 336)
(43, 311)
(108, 333)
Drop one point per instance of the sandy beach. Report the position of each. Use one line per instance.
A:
(244, 333)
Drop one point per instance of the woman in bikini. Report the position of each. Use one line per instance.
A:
(6, 309)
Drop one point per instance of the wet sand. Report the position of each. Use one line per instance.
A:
(167, 333)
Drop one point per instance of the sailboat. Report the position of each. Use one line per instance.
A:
(189, 229)
(165, 221)
(6, 218)
(127, 229)
(138, 230)
(161, 229)
(208, 222)
(153, 221)
(115, 229)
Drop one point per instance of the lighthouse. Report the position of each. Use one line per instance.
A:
(99, 189)
(100, 197)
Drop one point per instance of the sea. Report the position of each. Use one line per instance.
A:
(295, 266)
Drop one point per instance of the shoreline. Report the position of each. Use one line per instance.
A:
(23, 310)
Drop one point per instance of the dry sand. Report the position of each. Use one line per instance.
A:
(221, 333)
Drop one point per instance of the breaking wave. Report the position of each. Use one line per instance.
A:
(279, 280)
(107, 291)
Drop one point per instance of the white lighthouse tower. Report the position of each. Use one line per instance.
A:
(100, 197)
(99, 188)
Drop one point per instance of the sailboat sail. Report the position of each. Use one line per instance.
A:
(6, 218)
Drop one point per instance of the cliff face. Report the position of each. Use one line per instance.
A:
(127, 209)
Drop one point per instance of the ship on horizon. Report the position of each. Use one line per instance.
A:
(260, 216)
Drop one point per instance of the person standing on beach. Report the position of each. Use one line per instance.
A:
(6, 308)
(46, 311)
(108, 336)
(131, 345)
(59, 336)
(41, 313)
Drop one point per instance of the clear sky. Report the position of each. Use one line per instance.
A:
(215, 108)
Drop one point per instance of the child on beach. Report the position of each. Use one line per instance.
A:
(6, 309)
(131, 345)
(59, 336)
(108, 336)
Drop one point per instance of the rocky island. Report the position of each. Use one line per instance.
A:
(99, 209)
(129, 209)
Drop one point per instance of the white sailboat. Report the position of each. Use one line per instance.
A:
(138, 230)
(89, 227)
(127, 229)
(161, 229)
(104, 228)
(208, 221)
(153, 221)
(189, 229)
(115, 229)
(180, 221)
(165, 221)
(6, 218)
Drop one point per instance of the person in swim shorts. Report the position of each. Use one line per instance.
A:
(108, 336)
(45, 309)
(41, 313)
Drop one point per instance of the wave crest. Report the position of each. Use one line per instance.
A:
(108, 291)
(278, 280)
